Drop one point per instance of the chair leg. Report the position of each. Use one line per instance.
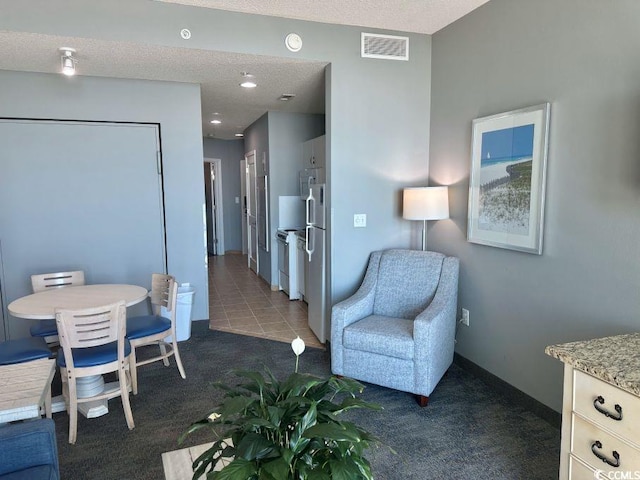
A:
(176, 353)
(133, 370)
(124, 395)
(422, 400)
(163, 353)
(73, 410)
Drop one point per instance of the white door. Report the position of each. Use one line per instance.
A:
(243, 206)
(78, 196)
(252, 212)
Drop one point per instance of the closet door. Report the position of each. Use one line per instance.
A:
(78, 196)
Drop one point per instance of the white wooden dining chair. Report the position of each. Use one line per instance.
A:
(155, 329)
(93, 343)
(44, 281)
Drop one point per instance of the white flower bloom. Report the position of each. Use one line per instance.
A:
(298, 346)
(214, 416)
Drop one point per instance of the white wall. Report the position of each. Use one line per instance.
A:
(582, 56)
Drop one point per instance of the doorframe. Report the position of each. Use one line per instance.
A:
(219, 210)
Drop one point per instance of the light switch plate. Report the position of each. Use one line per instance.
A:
(360, 220)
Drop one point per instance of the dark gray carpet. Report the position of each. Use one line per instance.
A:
(468, 431)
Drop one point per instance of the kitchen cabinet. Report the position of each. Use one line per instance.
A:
(314, 154)
(601, 407)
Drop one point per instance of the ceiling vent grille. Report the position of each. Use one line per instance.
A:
(388, 47)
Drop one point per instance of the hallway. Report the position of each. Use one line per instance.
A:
(241, 302)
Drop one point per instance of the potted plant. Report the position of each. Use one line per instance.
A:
(266, 429)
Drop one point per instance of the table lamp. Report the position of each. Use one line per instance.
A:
(425, 203)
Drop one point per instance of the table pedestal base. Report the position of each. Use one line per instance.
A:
(88, 387)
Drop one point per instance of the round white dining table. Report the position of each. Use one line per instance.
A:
(43, 305)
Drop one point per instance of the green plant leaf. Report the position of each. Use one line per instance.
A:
(278, 469)
(333, 431)
(239, 468)
(344, 469)
(235, 405)
(350, 403)
(254, 447)
(297, 442)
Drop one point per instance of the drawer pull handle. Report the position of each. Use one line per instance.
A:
(600, 401)
(597, 446)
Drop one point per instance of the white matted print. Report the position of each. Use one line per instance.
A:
(508, 176)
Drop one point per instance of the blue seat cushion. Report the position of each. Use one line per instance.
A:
(92, 356)
(146, 325)
(39, 472)
(29, 450)
(44, 328)
(23, 350)
(389, 336)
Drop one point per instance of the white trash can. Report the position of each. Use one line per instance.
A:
(183, 311)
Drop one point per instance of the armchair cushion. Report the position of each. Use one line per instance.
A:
(392, 337)
(28, 450)
(407, 282)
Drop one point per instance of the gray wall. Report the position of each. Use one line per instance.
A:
(230, 152)
(582, 56)
(379, 110)
(287, 131)
(176, 106)
(256, 137)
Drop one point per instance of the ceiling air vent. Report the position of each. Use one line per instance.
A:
(388, 47)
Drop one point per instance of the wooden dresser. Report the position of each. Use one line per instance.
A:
(600, 408)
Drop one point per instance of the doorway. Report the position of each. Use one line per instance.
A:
(252, 211)
(214, 206)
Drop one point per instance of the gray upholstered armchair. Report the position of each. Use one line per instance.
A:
(398, 329)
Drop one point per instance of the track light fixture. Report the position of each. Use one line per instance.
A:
(68, 61)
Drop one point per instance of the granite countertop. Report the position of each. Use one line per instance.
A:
(613, 359)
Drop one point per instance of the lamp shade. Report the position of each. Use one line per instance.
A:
(425, 203)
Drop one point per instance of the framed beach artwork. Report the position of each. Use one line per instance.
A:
(508, 176)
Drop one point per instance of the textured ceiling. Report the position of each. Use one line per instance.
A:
(219, 73)
(420, 16)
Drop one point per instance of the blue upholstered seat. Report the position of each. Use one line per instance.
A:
(23, 350)
(143, 326)
(28, 451)
(44, 328)
(398, 329)
(92, 356)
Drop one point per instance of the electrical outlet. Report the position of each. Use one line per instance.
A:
(360, 220)
(465, 317)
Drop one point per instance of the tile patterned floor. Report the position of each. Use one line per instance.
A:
(241, 302)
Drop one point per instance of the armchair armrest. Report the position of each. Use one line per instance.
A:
(434, 330)
(352, 309)
(29, 445)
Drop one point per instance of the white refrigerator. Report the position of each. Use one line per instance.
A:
(316, 250)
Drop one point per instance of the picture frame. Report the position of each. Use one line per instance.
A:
(508, 178)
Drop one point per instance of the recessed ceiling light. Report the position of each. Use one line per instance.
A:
(68, 61)
(287, 96)
(216, 122)
(239, 135)
(248, 80)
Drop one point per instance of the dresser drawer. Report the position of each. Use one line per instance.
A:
(595, 399)
(588, 441)
(579, 470)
